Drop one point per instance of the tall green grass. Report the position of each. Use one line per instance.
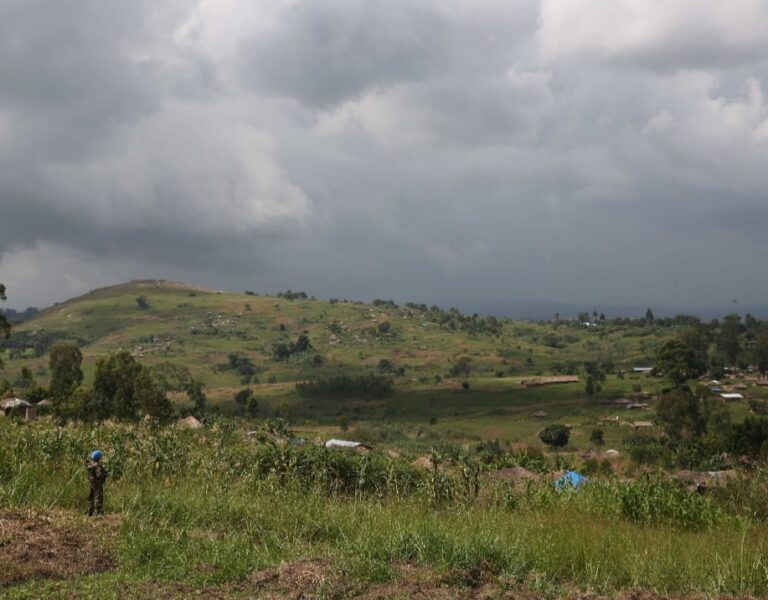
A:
(214, 498)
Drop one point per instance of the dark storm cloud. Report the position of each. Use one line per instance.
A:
(414, 149)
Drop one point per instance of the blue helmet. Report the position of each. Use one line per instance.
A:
(96, 455)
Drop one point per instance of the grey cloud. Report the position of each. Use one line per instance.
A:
(417, 150)
(662, 36)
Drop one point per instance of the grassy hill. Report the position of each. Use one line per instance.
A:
(199, 328)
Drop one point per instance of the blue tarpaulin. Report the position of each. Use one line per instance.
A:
(570, 481)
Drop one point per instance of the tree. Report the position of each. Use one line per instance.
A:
(385, 366)
(698, 337)
(749, 437)
(66, 375)
(680, 411)
(5, 326)
(242, 397)
(463, 367)
(114, 388)
(77, 406)
(246, 400)
(302, 344)
(253, 406)
(281, 350)
(151, 397)
(728, 339)
(678, 362)
(197, 397)
(170, 377)
(760, 349)
(649, 315)
(555, 435)
(589, 386)
(25, 381)
(596, 437)
(595, 378)
(142, 302)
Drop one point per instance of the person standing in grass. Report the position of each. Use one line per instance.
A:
(97, 475)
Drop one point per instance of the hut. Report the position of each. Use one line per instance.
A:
(641, 425)
(189, 422)
(17, 407)
(554, 380)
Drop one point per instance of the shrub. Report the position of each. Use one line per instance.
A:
(555, 435)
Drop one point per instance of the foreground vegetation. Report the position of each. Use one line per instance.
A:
(213, 506)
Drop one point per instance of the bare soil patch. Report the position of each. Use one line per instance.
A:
(53, 546)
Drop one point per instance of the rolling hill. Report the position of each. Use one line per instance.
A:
(428, 352)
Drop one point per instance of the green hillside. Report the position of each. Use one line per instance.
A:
(200, 329)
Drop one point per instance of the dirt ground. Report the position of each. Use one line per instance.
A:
(316, 579)
(52, 546)
(57, 547)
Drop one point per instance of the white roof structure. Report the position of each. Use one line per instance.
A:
(341, 444)
(732, 396)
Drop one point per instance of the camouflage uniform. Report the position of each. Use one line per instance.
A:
(97, 475)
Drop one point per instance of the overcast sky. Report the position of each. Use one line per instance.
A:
(586, 151)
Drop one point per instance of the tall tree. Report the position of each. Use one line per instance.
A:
(680, 411)
(197, 396)
(114, 393)
(66, 375)
(698, 337)
(728, 339)
(151, 397)
(760, 349)
(678, 362)
(5, 326)
(595, 379)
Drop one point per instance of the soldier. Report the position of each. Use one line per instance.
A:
(97, 475)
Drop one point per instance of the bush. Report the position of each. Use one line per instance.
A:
(555, 435)
(596, 437)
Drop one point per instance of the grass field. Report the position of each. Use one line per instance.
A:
(211, 513)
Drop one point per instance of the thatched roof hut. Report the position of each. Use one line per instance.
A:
(189, 422)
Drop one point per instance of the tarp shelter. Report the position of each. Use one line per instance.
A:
(570, 481)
